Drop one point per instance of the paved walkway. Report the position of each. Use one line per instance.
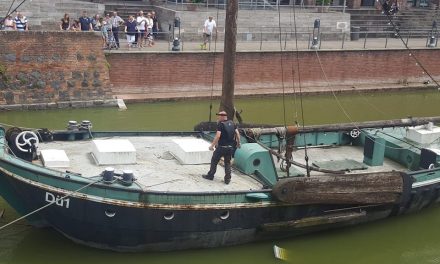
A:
(362, 43)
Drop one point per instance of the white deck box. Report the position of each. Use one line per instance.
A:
(423, 135)
(192, 151)
(54, 158)
(113, 152)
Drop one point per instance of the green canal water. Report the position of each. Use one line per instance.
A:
(408, 239)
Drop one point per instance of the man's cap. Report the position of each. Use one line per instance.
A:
(222, 113)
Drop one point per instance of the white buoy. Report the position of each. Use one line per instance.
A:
(121, 104)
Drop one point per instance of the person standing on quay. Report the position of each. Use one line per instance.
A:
(65, 22)
(85, 22)
(115, 22)
(21, 22)
(208, 30)
(226, 137)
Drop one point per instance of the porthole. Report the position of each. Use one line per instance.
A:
(256, 162)
(224, 215)
(168, 216)
(110, 213)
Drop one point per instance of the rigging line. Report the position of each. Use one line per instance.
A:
(333, 92)
(306, 156)
(49, 204)
(211, 97)
(292, 58)
(7, 13)
(367, 101)
(3, 19)
(282, 66)
(339, 103)
(390, 20)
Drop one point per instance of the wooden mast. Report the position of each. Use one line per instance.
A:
(227, 100)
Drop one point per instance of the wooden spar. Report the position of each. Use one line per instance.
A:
(366, 188)
(413, 121)
(227, 100)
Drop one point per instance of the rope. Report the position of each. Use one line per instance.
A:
(307, 167)
(9, 10)
(49, 204)
(343, 109)
(306, 156)
(292, 61)
(390, 20)
(213, 71)
(282, 67)
(362, 95)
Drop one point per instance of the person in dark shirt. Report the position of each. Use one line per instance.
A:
(85, 22)
(226, 137)
(130, 30)
(65, 22)
(155, 24)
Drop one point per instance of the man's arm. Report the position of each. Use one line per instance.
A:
(215, 141)
(237, 138)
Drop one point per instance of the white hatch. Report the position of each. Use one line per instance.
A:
(192, 151)
(54, 158)
(113, 151)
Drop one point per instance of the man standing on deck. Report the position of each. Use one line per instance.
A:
(227, 134)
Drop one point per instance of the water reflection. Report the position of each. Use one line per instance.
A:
(165, 116)
(408, 239)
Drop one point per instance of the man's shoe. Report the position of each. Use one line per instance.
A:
(206, 176)
(227, 180)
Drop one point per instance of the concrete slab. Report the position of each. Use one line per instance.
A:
(54, 158)
(423, 134)
(113, 151)
(192, 151)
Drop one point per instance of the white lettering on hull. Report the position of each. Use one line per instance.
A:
(51, 198)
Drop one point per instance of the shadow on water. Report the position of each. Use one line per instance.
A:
(407, 239)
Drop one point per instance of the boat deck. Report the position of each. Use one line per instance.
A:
(350, 157)
(157, 169)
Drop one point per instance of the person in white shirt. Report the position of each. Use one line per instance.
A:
(141, 21)
(21, 22)
(115, 22)
(208, 30)
(149, 30)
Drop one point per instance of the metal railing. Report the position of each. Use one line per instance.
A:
(180, 5)
(273, 41)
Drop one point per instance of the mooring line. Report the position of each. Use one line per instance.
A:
(49, 204)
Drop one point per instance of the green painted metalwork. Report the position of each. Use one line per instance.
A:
(322, 138)
(374, 151)
(336, 165)
(397, 147)
(427, 175)
(258, 196)
(252, 158)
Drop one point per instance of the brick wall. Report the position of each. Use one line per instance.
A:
(45, 67)
(53, 67)
(260, 72)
